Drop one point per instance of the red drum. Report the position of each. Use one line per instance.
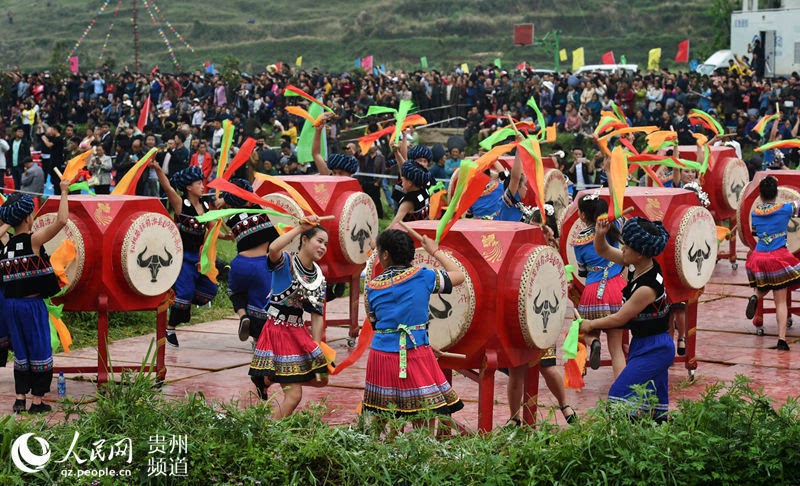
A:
(127, 247)
(689, 258)
(788, 191)
(128, 253)
(724, 181)
(514, 298)
(356, 222)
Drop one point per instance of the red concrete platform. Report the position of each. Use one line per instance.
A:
(211, 359)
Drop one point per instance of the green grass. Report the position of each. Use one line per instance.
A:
(331, 35)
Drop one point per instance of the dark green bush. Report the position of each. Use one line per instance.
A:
(731, 435)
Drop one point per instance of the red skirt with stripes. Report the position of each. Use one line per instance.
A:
(424, 388)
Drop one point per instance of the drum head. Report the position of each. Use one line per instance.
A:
(449, 315)
(290, 207)
(358, 225)
(556, 190)
(542, 298)
(69, 232)
(152, 254)
(696, 247)
(734, 180)
(785, 195)
(572, 233)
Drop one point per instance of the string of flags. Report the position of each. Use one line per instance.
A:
(163, 36)
(177, 34)
(108, 35)
(85, 32)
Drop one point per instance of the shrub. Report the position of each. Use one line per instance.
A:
(732, 434)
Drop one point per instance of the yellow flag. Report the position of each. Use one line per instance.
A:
(465, 67)
(653, 59)
(562, 54)
(299, 61)
(577, 58)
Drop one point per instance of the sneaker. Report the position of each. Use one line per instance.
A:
(172, 340)
(594, 354)
(244, 328)
(19, 406)
(782, 345)
(752, 304)
(40, 408)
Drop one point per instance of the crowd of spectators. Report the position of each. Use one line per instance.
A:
(48, 118)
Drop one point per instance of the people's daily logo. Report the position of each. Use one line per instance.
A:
(25, 459)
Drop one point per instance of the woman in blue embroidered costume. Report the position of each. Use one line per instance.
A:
(403, 377)
(513, 210)
(285, 352)
(192, 287)
(602, 294)
(249, 279)
(28, 279)
(490, 202)
(645, 311)
(771, 266)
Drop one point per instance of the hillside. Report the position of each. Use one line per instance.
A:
(331, 34)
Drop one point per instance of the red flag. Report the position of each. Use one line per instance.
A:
(521, 66)
(608, 58)
(278, 66)
(73, 64)
(144, 114)
(683, 52)
(366, 63)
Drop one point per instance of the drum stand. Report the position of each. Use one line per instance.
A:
(352, 320)
(731, 255)
(485, 380)
(758, 320)
(103, 367)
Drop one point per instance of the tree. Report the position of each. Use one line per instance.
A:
(230, 70)
(720, 11)
(58, 57)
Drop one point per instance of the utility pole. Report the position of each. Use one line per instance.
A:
(135, 37)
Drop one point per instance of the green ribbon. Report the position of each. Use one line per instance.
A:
(451, 208)
(570, 346)
(439, 186)
(224, 213)
(539, 118)
(489, 142)
(81, 185)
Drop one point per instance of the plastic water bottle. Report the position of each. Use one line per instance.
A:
(62, 385)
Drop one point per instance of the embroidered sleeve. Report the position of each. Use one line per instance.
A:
(443, 285)
(509, 199)
(277, 265)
